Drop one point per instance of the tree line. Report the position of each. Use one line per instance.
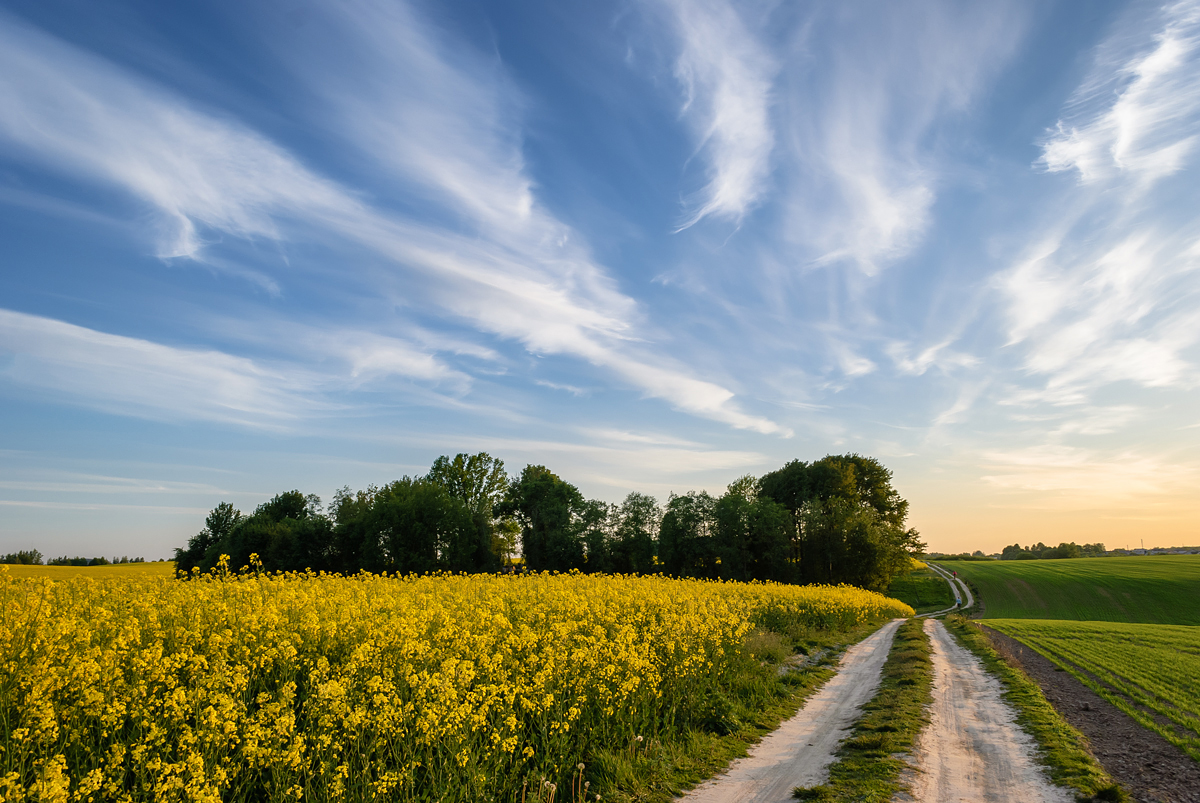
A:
(836, 520)
(32, 557)
(1040, 551)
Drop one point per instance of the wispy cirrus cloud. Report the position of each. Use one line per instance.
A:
(864, 166)
(726, 72)
(132, 376)
(139, 377)
(1074, 478)
(518, 274)
(1138, 112)
(1108, 292)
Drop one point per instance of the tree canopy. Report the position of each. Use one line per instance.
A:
(836, 520)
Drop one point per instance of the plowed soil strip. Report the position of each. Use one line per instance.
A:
(973, 749)
(1146, 764)
(800, 751)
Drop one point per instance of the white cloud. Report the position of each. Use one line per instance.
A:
(521, 275)
(726, 73)
(864, 102)
(1073, 477)
(1109, 291)
(128, 375)
(88, 118)
(1138, 113)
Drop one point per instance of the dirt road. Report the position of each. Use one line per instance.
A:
(801, 750)
(960, 592)
(972, 749)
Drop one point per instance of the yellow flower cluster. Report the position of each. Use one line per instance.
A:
(289, 687)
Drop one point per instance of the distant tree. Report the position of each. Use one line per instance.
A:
(289, 532)
(635, 540)
(480, 482)
(416, 525)
(27, 557)
(686, 542)
(77, 561)
(548, 510)
(1011, 552)
(596, 524)
(754, 535)
(217, 529)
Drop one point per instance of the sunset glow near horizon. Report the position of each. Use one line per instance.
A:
(653, 246)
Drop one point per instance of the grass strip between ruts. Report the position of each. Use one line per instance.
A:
(1061, 748)
(869, 762)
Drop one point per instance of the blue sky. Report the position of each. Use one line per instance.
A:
(654, 246)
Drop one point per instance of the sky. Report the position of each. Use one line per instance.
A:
(653, 246)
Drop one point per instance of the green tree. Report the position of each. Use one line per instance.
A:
(596, 525)
(636, 536)
(202, 548)
(686, 543)
(850, 521)
(547, 509)
(480, 482)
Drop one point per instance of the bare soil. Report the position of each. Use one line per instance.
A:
(1150, 768)
(800, 751)
(973, 749)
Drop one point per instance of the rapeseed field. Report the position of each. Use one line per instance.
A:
(319, 687)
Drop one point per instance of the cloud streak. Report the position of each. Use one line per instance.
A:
(522, 275)
(864, 172)
(1108, 292)
(1148, 130)
(726, 73)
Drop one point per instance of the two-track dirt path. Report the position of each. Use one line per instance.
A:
(973, 750)
(800, 751)
(960, 592)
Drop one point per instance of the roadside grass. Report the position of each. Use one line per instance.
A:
(1129, 589)
(779, 671)
(1144, 670)
(870, 762)
(924, 590)
(1061, 748)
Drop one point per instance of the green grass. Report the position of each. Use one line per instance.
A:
(924, 590)
(1157, 589)
(1150, 672)
(772, 689)
(869, 764)
(1061, 748)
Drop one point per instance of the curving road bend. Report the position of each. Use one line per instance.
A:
(800, 751)
(972, 749)
(959, 595)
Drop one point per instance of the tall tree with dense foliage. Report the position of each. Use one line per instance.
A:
(753, 537)
(850, 521)
(686, 543)
(548, 510)
(634, 545)
(480, 482)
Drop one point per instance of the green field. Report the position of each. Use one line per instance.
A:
(1148, 671)
(923, 590)
(1158, 589)
(162, 568)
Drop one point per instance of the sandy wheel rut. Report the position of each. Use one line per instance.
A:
(800, 751)
(973, 749)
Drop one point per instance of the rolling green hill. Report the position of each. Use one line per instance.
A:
(1158, 589)
(923, 590)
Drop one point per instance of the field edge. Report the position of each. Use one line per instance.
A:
(1062, 749)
